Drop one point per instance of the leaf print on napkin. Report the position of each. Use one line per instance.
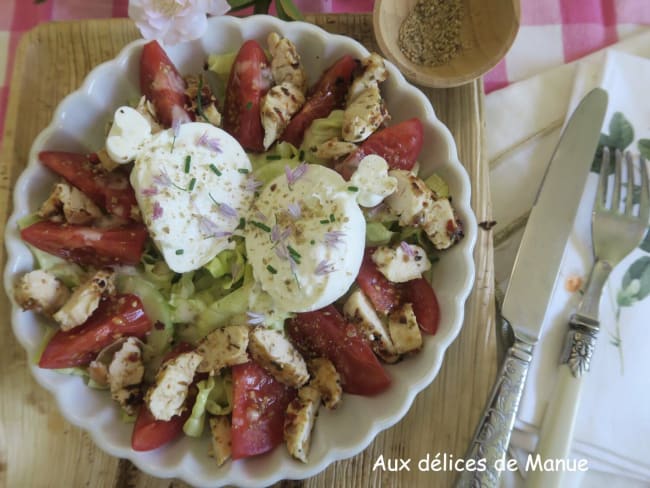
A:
(644, 148)
(621, 135)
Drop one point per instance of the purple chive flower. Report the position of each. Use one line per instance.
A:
(406, 247)
(255, 318)
(260, 216)
(179, 117)
(157, 211)
(324, 267)
(209, 228)
(334, 237)
(282, 251)
(162, 179)
(151, 191)
(294, 210)
(211, 143)
(228, 211)
(275, 233)
(295, 174)
(252, 184)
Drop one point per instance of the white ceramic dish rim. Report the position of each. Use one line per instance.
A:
(185, 459)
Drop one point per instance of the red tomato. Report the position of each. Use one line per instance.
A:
(88, 245)
(161, 83)
(259, 404)
(325, 333)
(110, 190)
(328, 94)
(383, 294)
(117, 316)
(425, 304)
(149, 433)
(250, 79)
(399, 145)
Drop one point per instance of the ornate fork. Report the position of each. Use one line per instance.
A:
(615, 233)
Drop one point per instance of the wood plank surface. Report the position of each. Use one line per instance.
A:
(38, 448)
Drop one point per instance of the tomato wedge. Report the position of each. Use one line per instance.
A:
(399, 145)
(384, 294)
(327, 95)
(117, 316)
(425, 304)
(325, 333)
(110, 190)
(161, 83)
(88, 245)
(250, 79)
(259, 403)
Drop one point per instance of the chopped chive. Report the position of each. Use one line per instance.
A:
(192, 183)
(179, 252)
(332, 219)
(301, 155)
(243, 171)
(215, 170)
(260, 225)
(353, 188)
(188, 162)
(173, 143)
(242, 223)
(273, 157)
(324, 221)
(271, 269)
(295, 254)
(312, 242)
(249, 105)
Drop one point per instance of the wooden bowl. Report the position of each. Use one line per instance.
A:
(488, 29)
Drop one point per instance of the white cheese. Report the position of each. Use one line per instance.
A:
(373, 181)
(192, 191)
(305, 240)
(130, 130)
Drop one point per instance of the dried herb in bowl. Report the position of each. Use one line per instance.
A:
(430, 34)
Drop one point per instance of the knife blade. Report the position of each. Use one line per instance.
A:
(532, 282)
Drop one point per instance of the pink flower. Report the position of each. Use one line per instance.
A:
(174, 21)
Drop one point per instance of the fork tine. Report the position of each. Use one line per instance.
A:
(616, 194)
(629, 194)
(644, 201)
(601, 194)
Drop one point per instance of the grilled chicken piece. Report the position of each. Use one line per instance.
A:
(363, 115)
(285, 62)
(299, 421)
(41, 292)
(125, 373)
(148, 111)
(404, 263)
(271, 350)
(167, 396)
(326, 380)
(223, 347)
(360, 312)
(85, 299)
(404, 330)
(333, 149)
(68, 203)
(278, 106)
(220, 430)
(373, 72)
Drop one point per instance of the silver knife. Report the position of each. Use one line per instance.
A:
(532, 282)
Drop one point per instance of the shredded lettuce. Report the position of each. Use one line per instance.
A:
(321, 130)
(438, 186)
(269, 165)
(215, 397)
(221, 64)
(377, 234)
(273, 169)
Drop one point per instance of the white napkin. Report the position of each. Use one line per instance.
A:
(523, 124)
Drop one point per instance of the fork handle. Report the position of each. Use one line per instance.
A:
(558, 425)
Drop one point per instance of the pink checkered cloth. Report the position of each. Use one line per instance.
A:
(552, 31)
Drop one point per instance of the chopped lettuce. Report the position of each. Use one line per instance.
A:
(377, 234)
(215, 397)
(321, 130)
(269, 165)
(273, 169)
(221, 64)
(438, 186)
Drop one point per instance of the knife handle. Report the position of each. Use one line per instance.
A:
(556, 433)
(490, 443)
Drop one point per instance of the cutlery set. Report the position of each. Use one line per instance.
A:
(618, 226)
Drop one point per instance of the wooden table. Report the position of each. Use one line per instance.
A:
(38, 448)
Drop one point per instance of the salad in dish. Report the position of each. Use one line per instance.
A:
(242, 250)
